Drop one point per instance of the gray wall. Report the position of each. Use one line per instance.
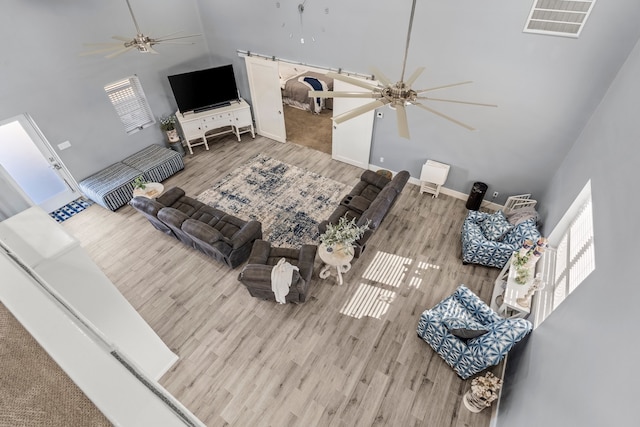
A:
(546, 87)
(43, 75)
(579, 367)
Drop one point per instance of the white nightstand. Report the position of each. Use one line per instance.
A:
(432, 177)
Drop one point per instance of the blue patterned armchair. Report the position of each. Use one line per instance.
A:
(489, 239)
(468, 334)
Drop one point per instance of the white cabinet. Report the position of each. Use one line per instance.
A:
(197, 127)
(433, 176)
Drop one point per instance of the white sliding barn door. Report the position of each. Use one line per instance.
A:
(351, 139)
(264, 84)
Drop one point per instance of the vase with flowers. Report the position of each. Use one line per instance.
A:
(525, 259)
(484, 390)
(342, 235)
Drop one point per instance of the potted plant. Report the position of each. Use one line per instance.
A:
(139, 183)
(484, 390)
(168, 126)
(342, 235)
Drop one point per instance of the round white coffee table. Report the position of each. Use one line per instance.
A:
(340, 258)
(151, 190)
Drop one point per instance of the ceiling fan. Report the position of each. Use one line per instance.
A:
(396, 95)
(140, 42)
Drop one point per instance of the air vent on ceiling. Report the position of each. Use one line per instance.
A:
(558, 17)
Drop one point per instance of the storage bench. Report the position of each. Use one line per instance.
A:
(112, 187)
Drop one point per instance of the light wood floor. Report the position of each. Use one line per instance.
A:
(349, 356)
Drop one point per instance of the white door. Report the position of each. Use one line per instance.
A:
(34, 167)
(351, 139)
(264, 84)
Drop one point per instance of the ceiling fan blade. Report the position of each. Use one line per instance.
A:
(169, 35)
(444, 116)
(123, 50)
(102, 44)
(103, 50)
(359, 110)
(124, 39)
(176, 38)
(414, 76)
(352, 81)
(442, 87)
(331, 94)
(379, 76)
(456, 101)
(403, 124)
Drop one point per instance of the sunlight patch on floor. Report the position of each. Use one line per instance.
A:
(368, 300)
(390, 269)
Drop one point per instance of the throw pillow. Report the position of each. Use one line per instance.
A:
(495, 226)
(464, 328)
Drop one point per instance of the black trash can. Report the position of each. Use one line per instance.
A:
(476, 195)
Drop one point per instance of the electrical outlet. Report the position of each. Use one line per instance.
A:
(495, 194)
(381, 159)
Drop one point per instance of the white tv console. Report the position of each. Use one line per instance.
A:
(196, 127)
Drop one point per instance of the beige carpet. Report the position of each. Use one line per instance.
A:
(34, 390)
(308, 129)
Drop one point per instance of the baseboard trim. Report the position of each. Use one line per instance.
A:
(449, 192)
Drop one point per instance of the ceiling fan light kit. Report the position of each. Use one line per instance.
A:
(140, 42)
(396, 95)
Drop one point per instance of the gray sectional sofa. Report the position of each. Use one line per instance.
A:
(217, 234)
(112, 187)
(369, 200)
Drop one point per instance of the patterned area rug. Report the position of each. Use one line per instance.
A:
(69, 210)
(287, 200)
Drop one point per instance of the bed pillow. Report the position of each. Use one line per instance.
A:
(464, 328)
(495, 226)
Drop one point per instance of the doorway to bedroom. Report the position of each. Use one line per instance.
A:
(308, 129)
(306, 124)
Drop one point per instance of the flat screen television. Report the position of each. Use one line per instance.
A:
(204, 89)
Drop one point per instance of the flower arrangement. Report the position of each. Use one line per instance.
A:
(486, 387)
(345, 232)
(526, 257)
(484, 390)
(168, 122)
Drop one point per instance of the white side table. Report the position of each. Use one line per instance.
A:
(338, 258)
(506, 291)
(151, 190)
(432, 177)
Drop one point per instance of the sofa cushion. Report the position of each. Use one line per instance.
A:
(464, 328)
(521, 232)
(495, 226)
(356, 203)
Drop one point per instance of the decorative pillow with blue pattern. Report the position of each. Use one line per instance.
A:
(495, 226)
(464, 328)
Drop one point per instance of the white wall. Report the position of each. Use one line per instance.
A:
(579, 368)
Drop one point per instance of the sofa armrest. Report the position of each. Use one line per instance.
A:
(501, 338)
(259, 252)
(252, 230)
(147, 206)
(259, 277)
(375, 179)
(171, 196)
(201, 231)
(306, 260)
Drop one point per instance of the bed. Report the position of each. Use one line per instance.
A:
(296, 93)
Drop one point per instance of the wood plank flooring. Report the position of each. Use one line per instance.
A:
(349, 356)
